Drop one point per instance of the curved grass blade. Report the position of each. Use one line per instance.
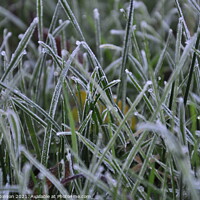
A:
(10, 146)
(6, 37)
(15, 130)
(60, 28)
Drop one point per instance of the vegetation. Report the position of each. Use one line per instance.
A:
(99, 99)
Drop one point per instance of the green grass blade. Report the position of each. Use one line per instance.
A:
(20, 49)
(180, 12)
(162, 55)
(138, 67)
(98, 34)
(191, 69)
(60, 28)
(122, 86)
(33, 135)
(11, 151)
(71, 121)
(72, 18)
(40, 19)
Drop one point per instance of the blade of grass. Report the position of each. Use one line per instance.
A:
(40, 19)
(20, 49)
(71, 121)
(54, 18)
(174, 90)
(195, 5)
(182, 122)
(121, 93)
(72, 17)
(138, 67)
(162, 55)
(98, 35)
(60, 28)
(11, 150)
(33, 135)
(191, 69)
(15, 128)
(180, 12)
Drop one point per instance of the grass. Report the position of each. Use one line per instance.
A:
(99, 99)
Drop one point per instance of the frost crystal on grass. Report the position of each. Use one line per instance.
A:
(3, 53)
(78, 43)
(96, 13)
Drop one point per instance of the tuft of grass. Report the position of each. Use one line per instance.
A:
(100, 99)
